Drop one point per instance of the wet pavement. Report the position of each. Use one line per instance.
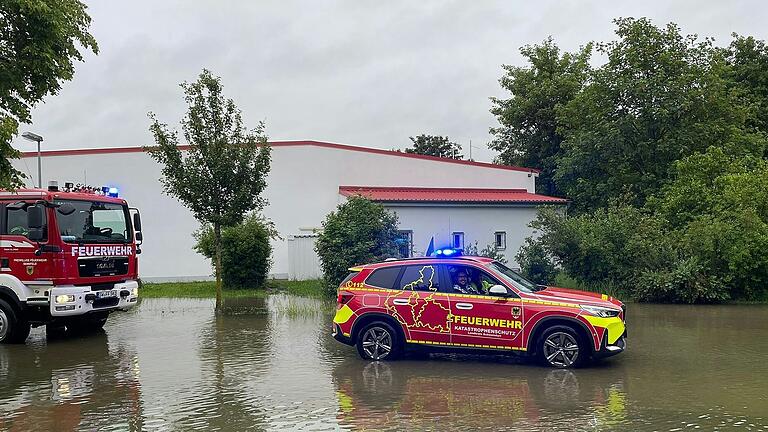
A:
(171, 364)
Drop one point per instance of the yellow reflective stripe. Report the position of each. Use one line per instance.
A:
(614, 325)
(465, 345)
(355, 269)
(343, 315)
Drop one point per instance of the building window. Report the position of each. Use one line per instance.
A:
(500, 240)
(458, 240)
(405, 243)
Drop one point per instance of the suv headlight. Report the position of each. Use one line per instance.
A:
(600, 311)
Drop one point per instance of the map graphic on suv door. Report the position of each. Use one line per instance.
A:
(417, 305)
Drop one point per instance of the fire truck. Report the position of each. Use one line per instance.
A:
(68, 258)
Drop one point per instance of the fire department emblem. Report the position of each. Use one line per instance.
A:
(30, 269)
(516, 311)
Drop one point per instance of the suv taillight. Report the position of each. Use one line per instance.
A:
(344, 297)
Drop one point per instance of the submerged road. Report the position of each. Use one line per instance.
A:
(171, 364)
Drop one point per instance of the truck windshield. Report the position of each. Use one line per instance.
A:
(514, 277)
(93, 222)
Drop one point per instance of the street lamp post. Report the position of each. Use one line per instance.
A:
(35, 137)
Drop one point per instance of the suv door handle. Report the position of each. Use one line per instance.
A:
(465, 306)
(400, 302)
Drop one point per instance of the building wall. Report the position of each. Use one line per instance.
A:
(302, 189)
(478, 223)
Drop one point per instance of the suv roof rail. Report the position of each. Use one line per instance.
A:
(460, 257)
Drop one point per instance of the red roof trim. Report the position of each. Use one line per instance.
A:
(430, 194)
(290, 144)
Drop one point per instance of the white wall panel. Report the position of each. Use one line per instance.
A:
(302, 189)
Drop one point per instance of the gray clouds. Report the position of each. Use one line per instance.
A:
(364, 73)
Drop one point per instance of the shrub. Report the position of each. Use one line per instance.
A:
(535, 263)
(246, 251)
(358, 232)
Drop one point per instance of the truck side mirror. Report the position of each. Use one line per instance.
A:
(136, 222)
(139, 238)
(35, 217)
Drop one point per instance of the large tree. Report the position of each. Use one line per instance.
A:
(224, 171)
(528, 133)
(38, 43)
(747, 75)
(660, 96)
(664, 158)
(435, 145)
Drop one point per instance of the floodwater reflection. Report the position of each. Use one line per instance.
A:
(461, 392)
(270, 364)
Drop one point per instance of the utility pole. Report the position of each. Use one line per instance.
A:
(35, 137)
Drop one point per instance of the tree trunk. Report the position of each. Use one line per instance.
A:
(217, 240)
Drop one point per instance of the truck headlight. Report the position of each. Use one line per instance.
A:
(65, 298)
(135, 292)
(601, 312)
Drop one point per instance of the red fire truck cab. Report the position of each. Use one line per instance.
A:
(67, 258)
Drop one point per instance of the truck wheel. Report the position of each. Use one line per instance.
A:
(13, 328)
(561, 347)
(378, 341)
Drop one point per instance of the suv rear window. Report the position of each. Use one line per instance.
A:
(348, 278)
(384, 277)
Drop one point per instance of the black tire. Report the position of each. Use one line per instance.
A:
(14, 329)
(562, 347)
(379, 341)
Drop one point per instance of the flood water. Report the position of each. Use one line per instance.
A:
(271, 364)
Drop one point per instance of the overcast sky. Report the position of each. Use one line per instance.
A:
(366, 73)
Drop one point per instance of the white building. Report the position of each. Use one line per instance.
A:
(451, 201)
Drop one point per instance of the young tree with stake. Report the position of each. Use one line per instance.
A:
(222, 175)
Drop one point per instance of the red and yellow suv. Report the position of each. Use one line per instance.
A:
(472, 303)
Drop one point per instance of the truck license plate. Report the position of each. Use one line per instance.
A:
(106, 294)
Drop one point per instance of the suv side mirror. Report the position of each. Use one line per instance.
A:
(499, 291)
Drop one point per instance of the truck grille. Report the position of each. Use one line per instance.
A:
(107, 266)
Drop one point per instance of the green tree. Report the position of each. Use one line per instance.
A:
(223, 173)
(433, 145)
(38, 44)
(358, 232)
(528, 134)
(245, 251)
(660, 96)
(718, 205)
(747, 74)
(535, 262)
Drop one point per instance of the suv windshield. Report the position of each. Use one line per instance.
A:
(93, 222)
(514, 277)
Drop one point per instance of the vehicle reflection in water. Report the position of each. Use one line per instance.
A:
(458, 392)
(75, 367)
